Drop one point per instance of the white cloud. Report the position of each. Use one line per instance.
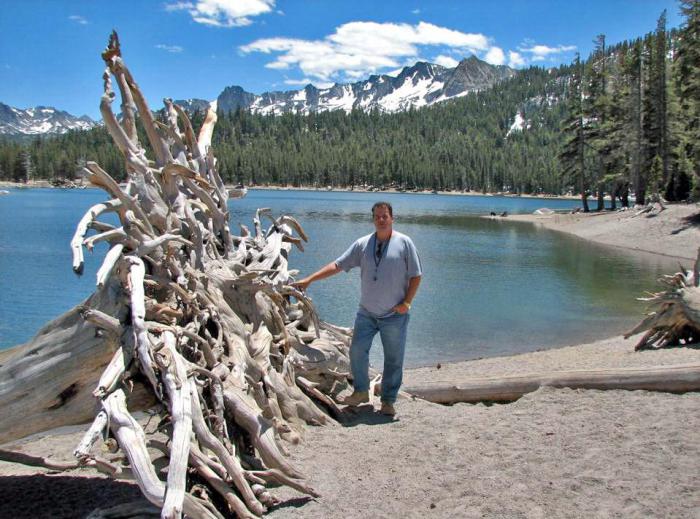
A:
(223, 13)
(178, 6)
(495, 56)
(170, 48)
(78, 19)
(429, 34)
(446, 61)
(416, 11)
(357, 49)
(306, 81)
(302, 82)
(543, 52)
(515, 59)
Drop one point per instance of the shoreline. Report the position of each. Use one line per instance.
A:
(45, 184)
(412, 192)
(673, 233)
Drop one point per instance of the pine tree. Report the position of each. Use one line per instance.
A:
(597, 110)
(572, 155)
(633, 73)
(688, 84)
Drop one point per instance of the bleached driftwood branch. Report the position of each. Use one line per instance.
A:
(674, 318)
(186, 319)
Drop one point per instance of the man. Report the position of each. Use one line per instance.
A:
(390, 271)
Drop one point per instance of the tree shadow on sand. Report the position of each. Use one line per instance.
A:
(364, 415)
(61, 497)
(688, 222)
(296, 502)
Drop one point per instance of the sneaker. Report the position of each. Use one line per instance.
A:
(357, 398)
(388, 409)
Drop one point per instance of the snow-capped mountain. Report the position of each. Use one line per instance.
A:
(39, 121)
(423, 84)
(192, 105)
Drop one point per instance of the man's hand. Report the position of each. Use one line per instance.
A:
(401, 308)
(329, 270)
(302, 284)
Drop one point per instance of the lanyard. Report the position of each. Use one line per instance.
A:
(378, 252)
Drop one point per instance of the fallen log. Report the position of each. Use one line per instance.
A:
(49, 382)
(672, 379)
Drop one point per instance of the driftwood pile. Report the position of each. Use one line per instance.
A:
(187, 317)
(675, 315)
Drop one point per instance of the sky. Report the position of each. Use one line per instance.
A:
(50, 49)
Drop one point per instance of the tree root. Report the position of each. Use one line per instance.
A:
(675, 316)
(202, 324)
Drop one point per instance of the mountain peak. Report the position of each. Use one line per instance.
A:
(40, 120)
(472, 73)
(420, 84)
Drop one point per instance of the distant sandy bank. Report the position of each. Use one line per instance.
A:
(673, 232)
(409, 192)
(46, 184)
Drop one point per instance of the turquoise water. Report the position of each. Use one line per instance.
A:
(491, 287)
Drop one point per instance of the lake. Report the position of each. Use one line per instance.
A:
(490, 287)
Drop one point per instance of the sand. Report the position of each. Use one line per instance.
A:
(553, 453)
(673, 232)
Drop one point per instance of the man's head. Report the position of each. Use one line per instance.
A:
(383, 217)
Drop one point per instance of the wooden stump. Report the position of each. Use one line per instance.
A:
(674, 317)
(186, 317)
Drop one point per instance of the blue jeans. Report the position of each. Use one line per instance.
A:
(392, 331)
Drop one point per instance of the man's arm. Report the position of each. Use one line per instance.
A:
(324, 272)
(413, 285)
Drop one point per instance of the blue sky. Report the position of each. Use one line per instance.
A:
(50, 49)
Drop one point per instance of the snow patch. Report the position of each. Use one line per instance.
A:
(518, 124)
(345, 102)
(44, 127)
(410, 94)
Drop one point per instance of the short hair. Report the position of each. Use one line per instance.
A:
(383, 204)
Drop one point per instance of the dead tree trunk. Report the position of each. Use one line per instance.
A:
(675, 316)
(186, 316)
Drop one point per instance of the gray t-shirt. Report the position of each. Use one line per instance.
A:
(385, 279)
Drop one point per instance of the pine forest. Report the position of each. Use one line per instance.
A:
(623, 122)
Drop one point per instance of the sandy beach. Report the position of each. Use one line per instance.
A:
(554, 453)
(673, 232)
